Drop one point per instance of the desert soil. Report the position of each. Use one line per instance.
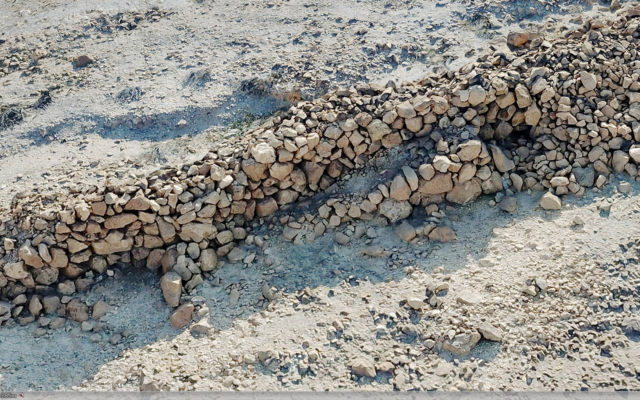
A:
(559, 288)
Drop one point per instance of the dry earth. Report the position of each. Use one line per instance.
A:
(559, 288)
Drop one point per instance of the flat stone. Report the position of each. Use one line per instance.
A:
(120, 221)
(588, 80)
(16, 270)
(468, 297)
(181, 316)
(440, 183)
(490, 332)
(411, 177)
(502, 163)
(469, 150)
(30, 255)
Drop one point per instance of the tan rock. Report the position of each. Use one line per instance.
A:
(399, 189)
(467, 172)
(550, 202)
(263, 153)
(517, 39)
(255, 170)
(620, 160)
(281, 170)
(443, 234)
(464, 192)
(30, 255)
(469, 150)
(181, 316)
(363, 367)
(502, 163)
(120, 221)
(266, 207)
(59, 258)
(99, 309)
(103, 247)
(208, 260)
(16, 270)
(477, 95)
(77, 310)
(523, 97)
(414, 124)
(167, 230)
(490, 332)
(440, 183)
(75, 246)
(588, 80)
(411, 177)
(377, 130)
(46, 276)
(139, 203)
(462, 343)
(395, 210)
(426, 171)
(171, 285)
(532, 115)
(313, 172)
(197, 232)
(405, 231)
(405, 110)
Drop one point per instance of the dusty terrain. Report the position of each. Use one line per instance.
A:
(559, 288)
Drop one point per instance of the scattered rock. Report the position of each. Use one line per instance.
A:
(550, 202)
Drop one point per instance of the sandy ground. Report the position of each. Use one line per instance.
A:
(192, 61)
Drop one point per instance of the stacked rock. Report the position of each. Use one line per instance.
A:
(559, 116)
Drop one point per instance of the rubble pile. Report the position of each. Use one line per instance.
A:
(559, 116)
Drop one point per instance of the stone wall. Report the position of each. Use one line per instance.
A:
(558, 116)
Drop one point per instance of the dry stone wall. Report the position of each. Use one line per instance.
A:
(559, 116)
